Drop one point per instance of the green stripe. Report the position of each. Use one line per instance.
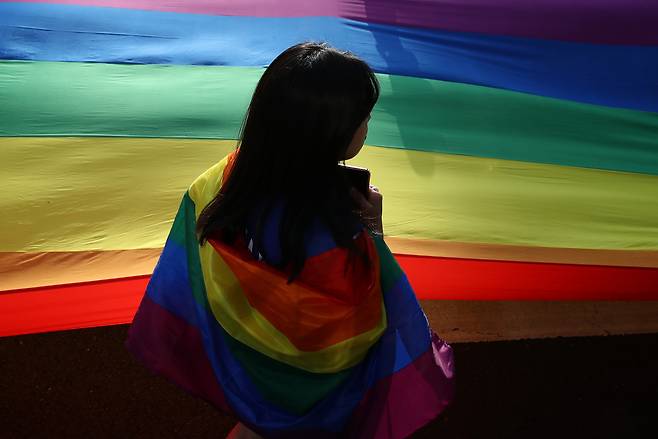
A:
(486, 122)
(86, 99)
(292, 389)
(55, 99)
(389, 267)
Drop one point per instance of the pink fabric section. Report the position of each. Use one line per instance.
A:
(164, 353)
(410, 398)
(253, 8)
(597, 21)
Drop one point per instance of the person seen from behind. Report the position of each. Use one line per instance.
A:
(276, 298)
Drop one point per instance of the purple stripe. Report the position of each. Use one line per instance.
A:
(598, 21)
(162, 353)
(405, 401)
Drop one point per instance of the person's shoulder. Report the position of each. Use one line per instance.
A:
(340, 273)
(319, 238)
(205, 187)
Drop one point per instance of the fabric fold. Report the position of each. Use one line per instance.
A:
(210, 322)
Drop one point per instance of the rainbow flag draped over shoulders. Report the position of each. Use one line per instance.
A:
(328, 356)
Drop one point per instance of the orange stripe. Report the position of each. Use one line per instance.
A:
(20, 270)
(502, 252)
(310, 319)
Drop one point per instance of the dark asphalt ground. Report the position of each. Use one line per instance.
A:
(84, 384)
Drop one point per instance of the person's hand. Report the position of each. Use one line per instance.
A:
(370, 209)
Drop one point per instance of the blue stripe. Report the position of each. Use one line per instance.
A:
(612, 75)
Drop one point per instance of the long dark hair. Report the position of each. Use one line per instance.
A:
(302, 117)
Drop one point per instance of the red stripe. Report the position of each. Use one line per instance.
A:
(115, 301)
(83, 305)
(471, 279)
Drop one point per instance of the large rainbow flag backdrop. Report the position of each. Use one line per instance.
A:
(516, 143)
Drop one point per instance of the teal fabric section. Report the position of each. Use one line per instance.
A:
(390, 269)
(455, 118)
(291, 389)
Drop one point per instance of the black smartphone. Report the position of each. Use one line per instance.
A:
(359, 177)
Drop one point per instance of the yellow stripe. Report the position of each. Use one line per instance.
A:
(244, 323)
(82, 194)
(477, 200)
